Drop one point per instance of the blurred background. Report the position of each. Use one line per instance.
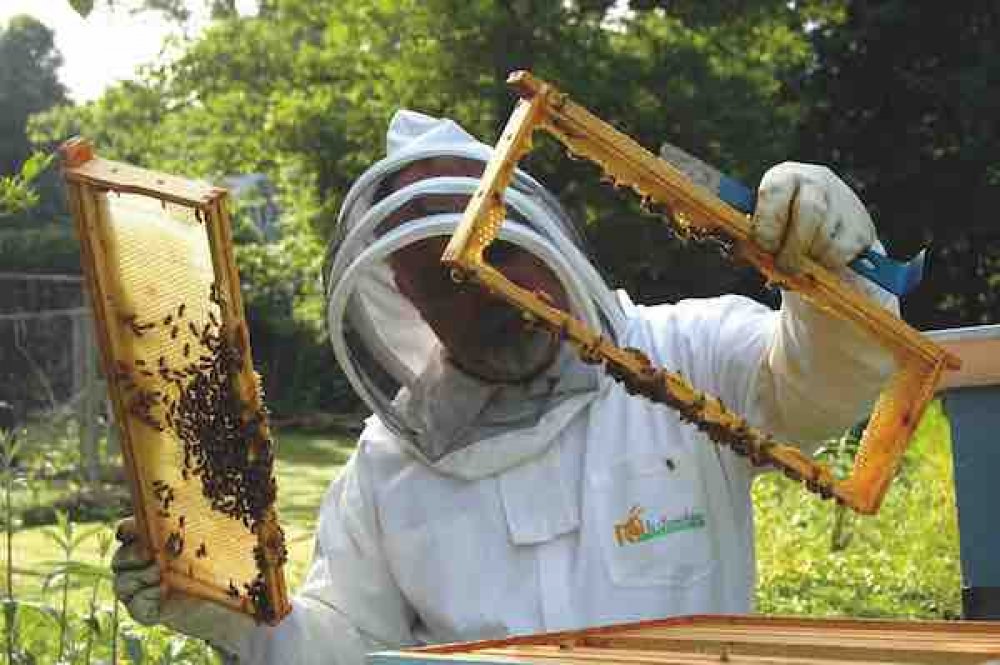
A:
(285, 102)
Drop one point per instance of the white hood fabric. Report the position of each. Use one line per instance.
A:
(614, 510)
(449, 420)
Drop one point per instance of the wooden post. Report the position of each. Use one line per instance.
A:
(85, 384)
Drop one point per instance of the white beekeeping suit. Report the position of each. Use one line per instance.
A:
(473, 510)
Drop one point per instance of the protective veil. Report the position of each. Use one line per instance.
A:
(459, 424)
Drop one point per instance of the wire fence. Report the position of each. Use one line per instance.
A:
(49, 373)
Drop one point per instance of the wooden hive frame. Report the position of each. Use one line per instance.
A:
(696, 212)
(734, 639)
(89, 181)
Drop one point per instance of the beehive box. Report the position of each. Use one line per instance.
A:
(158, 263)
(740, 640)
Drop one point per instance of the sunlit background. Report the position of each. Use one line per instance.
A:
(111, 42)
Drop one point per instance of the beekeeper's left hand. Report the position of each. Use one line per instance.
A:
(137, 586)
(806, 210)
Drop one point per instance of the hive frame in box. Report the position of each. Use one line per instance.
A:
(696, 212)
(257, 550)
(710, 639)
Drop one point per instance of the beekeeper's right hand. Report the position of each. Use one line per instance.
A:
(137, 586)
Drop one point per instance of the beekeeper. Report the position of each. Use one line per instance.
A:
(504, 487)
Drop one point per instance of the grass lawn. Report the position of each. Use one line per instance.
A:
(306, 463)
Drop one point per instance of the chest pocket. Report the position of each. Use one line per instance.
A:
(652, 521)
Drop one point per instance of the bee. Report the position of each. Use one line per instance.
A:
(201, 552)
(180, 310)
(174, 545)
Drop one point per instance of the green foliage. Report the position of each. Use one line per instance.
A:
(817, 560)
(28, 84)
(323, 79)
(16, 193)
(82, 7)
(902, 101)
(88, 630)
(45, 248)
(175, 10)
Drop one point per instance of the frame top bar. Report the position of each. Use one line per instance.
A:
(80, 164)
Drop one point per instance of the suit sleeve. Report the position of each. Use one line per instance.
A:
(798, 373)
(349, 604)
(821, 374)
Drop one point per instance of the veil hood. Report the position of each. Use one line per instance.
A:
(394, 360)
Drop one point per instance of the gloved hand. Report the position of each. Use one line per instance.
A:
(137, 586)
(822, 372)
(806, 210)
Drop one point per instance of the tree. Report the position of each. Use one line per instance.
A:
(30, 196)
(28, 84)
(903, 103)
(16, 192)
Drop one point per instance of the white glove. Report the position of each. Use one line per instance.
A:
(806, 210)
(822, 372)
(137, 586)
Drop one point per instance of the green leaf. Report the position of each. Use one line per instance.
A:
(87, 534)
(36, 609)
(94, 624)
(34, 166)
(53, 578)
(91, 570)
(82, 7)
(58, 537)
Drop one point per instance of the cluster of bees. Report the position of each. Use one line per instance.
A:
(652, 383)
(221, 437)
(256, 592)
(174, 545)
